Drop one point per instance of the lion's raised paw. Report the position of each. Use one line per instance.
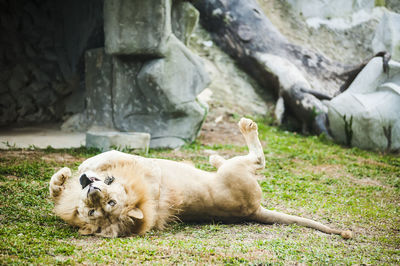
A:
(61, 176)
(247, 125)
(57, 181)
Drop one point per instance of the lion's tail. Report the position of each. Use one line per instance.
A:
(271, 217)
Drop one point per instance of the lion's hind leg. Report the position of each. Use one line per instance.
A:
(273, 217)
(249, 130)
(255, 157)
(57, 182)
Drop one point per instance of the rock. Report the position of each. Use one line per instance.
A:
(393, 5)
(3, 87)
(164, 78)
(231, 90)
(387, 35)
(18, 79)
(44, 98)
(8, 112)
(172, 130)
(330, 9)
(279, 110)
(341, 18)
(127, 97)
(76, 102)
(159, 99)
(366, 115)
(40, 75)
(98, 81)
(121, 140)
(76, 123)
(136, 27)
(185, 18)
(147, 96)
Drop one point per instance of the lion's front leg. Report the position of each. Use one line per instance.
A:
(57, 182)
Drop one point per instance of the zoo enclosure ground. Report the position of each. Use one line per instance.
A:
(307, 176)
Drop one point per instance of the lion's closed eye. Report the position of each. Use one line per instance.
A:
(112, 203)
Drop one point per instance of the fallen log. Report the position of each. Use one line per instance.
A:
(297, 76)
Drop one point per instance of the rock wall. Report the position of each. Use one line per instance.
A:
(146, 79)
(41, 57)
(142, 77)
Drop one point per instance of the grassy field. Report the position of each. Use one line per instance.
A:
(307, 176)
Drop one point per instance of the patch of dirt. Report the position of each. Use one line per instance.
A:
(371, 162)
(337, 171)
(34, 155)
(20, 154)
(332, 170)
(61, 158)
(224, 132)
(368, 182)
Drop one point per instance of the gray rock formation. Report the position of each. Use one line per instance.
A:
(330, 9)
(106, 140)
(184, 20)
(98, 80)
(387, 35)
(148, 83)
(366, 115)
(136, 27)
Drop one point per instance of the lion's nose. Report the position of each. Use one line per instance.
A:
(84, 180)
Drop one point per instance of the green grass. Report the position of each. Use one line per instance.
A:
(309, 176)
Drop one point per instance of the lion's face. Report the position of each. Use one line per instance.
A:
(103, 206)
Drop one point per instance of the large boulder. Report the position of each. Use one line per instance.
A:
(184, 19)
(137, 27)
(387, 35)
(329, 9)
(176, 79)
(159, 96)
(367, 114)
(147, 80)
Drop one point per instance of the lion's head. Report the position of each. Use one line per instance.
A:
(110, 206)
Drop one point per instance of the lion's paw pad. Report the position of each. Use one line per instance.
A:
(247, 125)
(61, 176)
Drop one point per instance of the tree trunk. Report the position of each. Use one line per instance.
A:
(241, 29)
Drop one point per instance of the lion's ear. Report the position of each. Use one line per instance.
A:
(136, 213)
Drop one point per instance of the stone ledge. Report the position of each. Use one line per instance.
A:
(109, 139)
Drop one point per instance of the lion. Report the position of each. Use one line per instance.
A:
(116, 194)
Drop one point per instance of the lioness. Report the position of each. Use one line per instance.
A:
(118, 194)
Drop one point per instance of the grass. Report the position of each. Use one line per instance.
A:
(309, 176)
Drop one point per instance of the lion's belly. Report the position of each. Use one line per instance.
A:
(202, 196)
